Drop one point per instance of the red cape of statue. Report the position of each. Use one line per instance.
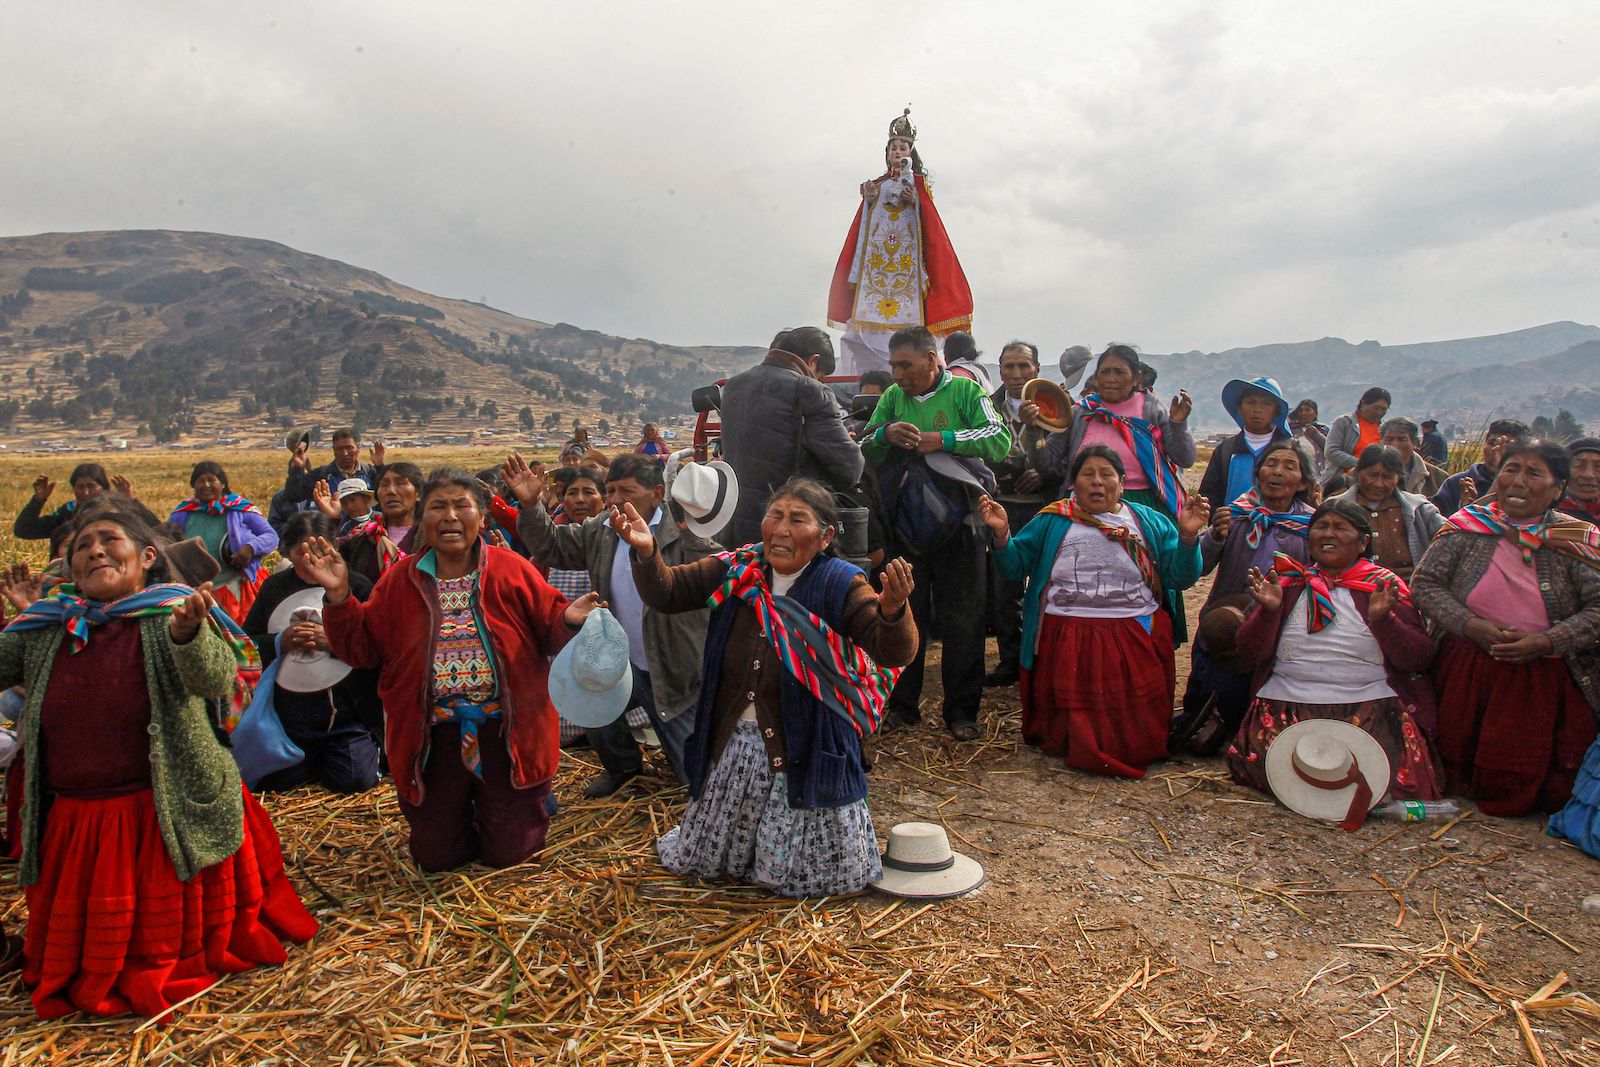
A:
(947, 304)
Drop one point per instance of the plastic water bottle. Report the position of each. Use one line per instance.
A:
(1417, 810)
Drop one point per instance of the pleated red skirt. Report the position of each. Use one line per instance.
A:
(1100, 693)
(1511, 735)
(112, 930)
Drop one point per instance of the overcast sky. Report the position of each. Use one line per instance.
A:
(1180, 175)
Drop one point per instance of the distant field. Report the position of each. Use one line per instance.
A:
(161, 478)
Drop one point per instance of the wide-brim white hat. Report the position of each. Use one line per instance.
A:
(708, 493)
(920, 863)
(1310, 756)
(591, 678)
(305, 672)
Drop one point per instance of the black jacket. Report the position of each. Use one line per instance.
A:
(779, 422)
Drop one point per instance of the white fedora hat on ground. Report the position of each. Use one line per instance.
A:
(305, 672)
(708, 494)
(591, 678)
(1328, 769)
(920, 863)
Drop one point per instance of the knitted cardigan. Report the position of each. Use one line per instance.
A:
(1571, 590)
(198, 794)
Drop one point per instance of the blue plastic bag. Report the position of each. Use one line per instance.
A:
(260, 745)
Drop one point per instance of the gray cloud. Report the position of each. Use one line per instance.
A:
(1201, 175)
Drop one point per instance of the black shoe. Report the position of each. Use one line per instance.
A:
(896, 720)
(1000, 678)
(607, 782)
(964, 731)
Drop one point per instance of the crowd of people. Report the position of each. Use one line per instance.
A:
(1375, 628)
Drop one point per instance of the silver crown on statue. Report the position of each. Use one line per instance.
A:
(901, 127)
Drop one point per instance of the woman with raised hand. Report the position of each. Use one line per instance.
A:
(149, 870)
(461, 636)
(1272, 517)
(1337, 637)
(1098, 670)
(1515, 585)
(88, 481)
(233, 531)
(799, 661)
(1151, 440)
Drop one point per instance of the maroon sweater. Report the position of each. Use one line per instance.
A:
(98, 747)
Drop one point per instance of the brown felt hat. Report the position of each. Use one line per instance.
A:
(1219, 631)
(296, 437)
(190, 562)
(1055, 406)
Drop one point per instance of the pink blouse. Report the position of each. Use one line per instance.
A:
(1100, 433)
(1508, 593)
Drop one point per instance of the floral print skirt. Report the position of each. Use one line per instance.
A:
(743, 828)
(1412, 773)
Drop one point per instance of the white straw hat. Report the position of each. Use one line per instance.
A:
(1328, 769)
(708, 494)
(920, 863)
(305, 672)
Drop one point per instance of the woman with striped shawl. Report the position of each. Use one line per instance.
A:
(800, 657)
(1515, 586)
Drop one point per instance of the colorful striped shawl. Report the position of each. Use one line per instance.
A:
(231, 502)
(1250, 509)
(833, 668)
(388, 552)
(1363, 574)
(1143, 438)
(1131, 544)
(1578, 539)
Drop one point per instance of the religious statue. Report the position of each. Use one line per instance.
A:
(897, 268)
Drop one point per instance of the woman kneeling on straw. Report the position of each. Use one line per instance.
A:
(800, 658)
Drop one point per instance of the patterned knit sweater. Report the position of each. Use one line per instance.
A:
(198, 796)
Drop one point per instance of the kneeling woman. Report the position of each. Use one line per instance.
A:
(338, 728)
(1515, 586)
(1097, 656)
(1338, 638)
(461, 637)
(774, 764)
(233, 531)
(149, 870)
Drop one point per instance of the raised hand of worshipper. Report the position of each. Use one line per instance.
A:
(579, 609)
(1196, 516)
(43, 487)
(300, 461)
(498, 539)
(22, 586)
(322, 496)
(1265, 589)
(1182, 405)
(993, 514)
(379, 450)
(633, 529)
(526, 482)
(189, 616)
(1382, 602)
(121, 484)
(1517, 646)
(1221, 522)
(895, 588)
(1469, 492)
(327, 568)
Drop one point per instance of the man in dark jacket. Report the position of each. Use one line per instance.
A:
(779, 421)
(302, 479)
(1435, 449)
(1461, 489)
(1024, 484)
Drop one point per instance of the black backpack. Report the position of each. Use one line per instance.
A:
(926, 509)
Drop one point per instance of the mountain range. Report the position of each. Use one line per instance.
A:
(177, 335)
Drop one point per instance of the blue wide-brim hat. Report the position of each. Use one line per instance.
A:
(591, 679)
(1234, 391)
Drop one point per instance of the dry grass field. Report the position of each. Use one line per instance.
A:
(1174, 920)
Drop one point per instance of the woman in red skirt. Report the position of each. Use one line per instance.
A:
(149, 870)
(1097, 655)
(1516, 587)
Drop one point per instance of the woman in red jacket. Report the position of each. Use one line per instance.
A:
(461, 636)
